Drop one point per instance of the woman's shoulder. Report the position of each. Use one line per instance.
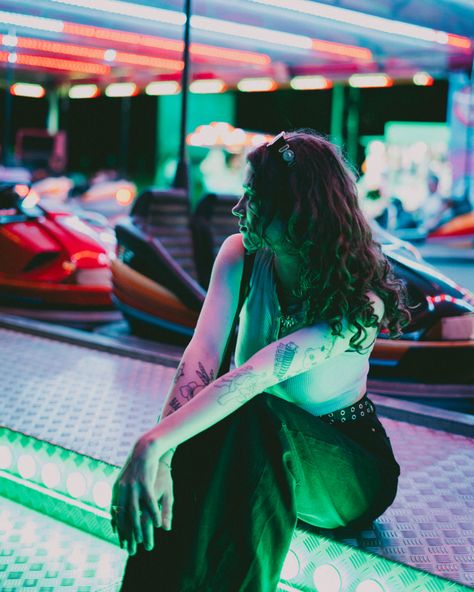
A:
(231, 251)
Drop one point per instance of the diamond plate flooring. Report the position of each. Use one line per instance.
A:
(42, 554)
(98, 403)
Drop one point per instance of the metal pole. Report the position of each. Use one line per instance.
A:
(181, 180)
(7, 118)
(353, 124)
(468, 170)
(124, 135)
(337, 114)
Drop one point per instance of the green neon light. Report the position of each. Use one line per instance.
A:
(54, 494)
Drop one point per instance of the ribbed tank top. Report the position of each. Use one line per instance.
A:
(335, 383)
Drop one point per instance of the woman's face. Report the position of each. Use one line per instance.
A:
(250, 223)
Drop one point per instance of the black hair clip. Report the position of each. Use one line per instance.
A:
(280, 143)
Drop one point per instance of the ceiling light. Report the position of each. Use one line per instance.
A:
(83, 91)
(423, 79)
(370, 80)
(310, 83)
(163, 87)
(207, 86)
(23, 89)
(140, 11)
(9, 40)
(368, 21)
(121, 89)
(162, 43)
(257, 84)
(33, 22)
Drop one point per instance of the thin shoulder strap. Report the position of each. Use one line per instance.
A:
(232, 338)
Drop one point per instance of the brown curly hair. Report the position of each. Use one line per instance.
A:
(316, 199)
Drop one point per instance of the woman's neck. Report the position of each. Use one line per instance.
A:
(287, 271)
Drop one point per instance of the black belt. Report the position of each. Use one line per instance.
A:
(353, 412)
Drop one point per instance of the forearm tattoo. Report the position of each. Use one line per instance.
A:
(284, 357)
(179, 372)
(241, 386)
(189, 390)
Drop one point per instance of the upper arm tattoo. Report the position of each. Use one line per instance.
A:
(284, 357)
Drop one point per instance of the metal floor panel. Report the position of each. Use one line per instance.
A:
(97, 403)
(93, 402)
(41, 554)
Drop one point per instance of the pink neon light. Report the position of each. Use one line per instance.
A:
(57, 64)
(458, 41)
(97, 54)
(148, 61)
(161, 43)
(360, 53)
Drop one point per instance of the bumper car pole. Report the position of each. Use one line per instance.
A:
(181, 180)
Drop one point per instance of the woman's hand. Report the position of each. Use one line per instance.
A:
(134, 506)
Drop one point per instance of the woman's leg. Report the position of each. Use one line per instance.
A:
(346, 473)
(240, 486)
(234, 511)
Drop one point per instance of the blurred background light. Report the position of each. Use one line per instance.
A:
(326, 578)
(257, 84)
(83, 91)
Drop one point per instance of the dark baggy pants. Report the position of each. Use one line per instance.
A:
(241, 485)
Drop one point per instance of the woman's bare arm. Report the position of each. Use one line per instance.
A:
(278, 361)
(200, 362)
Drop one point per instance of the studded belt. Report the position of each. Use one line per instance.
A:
(353, 412)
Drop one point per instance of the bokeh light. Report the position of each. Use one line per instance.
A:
(50, 475)
(5, 457)
(26, 466)
(370, 586)
(326, 578)
(291, 567)
(76, 484)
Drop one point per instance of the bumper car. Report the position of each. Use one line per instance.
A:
(53, 264)
(165, 256)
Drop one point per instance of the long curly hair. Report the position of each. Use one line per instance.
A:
(316, 199)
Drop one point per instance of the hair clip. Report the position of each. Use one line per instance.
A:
(280, 143)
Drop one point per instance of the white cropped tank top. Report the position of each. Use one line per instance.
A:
(336, 383)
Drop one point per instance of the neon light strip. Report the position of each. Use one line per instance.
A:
(124, 37)
(57, 64)
(97, 53)
(222, 26)
(368, 21)
(31, 22)
(161, 43)
(54, 494)
(148, 13)
(250, 32)
(359, 53)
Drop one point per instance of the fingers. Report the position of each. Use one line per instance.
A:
(167, 511)
(134, 514)
(148, 531)
(151, 506)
